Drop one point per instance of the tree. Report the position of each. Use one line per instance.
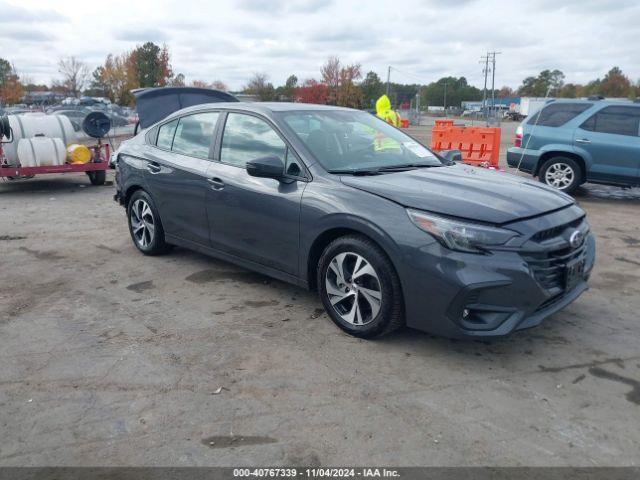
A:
(570, 90)
(5, 70)
(292, 82)
(458, 91)
(152, 65)
(74, 74)
(11, 89)
(288, 91)
(311, 91)
(505, 92)
(117, 77)
(616, 84)
(547, 81)
(372, 88)
(219, 85)
(348, 93)
(260, 86)
(330, 73)
(177, 81)
(216, 85)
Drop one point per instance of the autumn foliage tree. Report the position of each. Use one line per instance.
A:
(11, 89)
(147, 65)
(311, 91)
(340, 81)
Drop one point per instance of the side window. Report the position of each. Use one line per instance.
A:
(247, 138)
(557, 114)
(165, 135)
(616, 120)
(195, 133)
(293, 165)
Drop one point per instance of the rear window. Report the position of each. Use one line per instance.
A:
(194, 134)
(616, 120)
(165, 134)
(557, 114)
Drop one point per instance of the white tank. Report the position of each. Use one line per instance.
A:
(28, 126)
(41, 152)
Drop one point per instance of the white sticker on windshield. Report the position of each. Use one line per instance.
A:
(417, 149)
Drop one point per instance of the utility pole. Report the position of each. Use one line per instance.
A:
(493, 78)
(388, 79)
(445, 97)
(484, 90)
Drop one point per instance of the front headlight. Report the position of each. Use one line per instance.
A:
(461, 236)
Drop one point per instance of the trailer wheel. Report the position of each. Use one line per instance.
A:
(97, 177)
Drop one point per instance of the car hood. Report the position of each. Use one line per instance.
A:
(465, 192)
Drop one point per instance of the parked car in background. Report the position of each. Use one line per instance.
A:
(570, 142)
(76, 115)
(337, 200)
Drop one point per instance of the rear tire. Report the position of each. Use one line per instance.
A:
(97, 177)
(145, 225)
(561, 173)
(359, 287)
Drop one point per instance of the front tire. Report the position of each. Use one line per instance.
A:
(145, 225)
(562, 173)
(359, 287)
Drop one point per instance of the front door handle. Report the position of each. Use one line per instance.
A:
(216, 183)
(583, 140)
(153, 167)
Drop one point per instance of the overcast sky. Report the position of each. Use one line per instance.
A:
(421, 40)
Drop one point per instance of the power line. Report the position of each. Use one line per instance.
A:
(410, 75)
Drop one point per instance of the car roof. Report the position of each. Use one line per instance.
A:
(597, 101)
(262, 107)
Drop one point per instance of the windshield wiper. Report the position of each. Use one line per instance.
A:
(405, 167)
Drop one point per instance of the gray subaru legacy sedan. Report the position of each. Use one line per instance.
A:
(337, 200)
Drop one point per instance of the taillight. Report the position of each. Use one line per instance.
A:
(518, 140)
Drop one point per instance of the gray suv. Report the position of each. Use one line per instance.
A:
(337, 200)
(570, 142)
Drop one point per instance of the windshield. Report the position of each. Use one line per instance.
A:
(351, 141)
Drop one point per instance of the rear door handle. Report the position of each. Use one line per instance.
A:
(216, 183)
(583, 140)
(153, 167)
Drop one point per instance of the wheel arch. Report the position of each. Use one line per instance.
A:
(130, 191)
(562, 153)
(351, 227)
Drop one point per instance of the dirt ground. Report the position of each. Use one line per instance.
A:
(112, 358)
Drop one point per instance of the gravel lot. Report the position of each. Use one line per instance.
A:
(113, 358)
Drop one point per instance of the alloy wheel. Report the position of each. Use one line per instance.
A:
(142, 223)
(353, 288)
(559, 175)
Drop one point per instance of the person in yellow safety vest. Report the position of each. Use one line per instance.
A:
(384, 111)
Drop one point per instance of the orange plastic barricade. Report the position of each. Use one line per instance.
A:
(479, 146)
(444, 123)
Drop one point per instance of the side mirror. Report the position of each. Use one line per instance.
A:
(451, 155)
(266, 167)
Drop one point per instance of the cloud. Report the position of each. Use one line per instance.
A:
(279, 6)
(26, 34)
(132, 34)
(13, 14)
(422, 39)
